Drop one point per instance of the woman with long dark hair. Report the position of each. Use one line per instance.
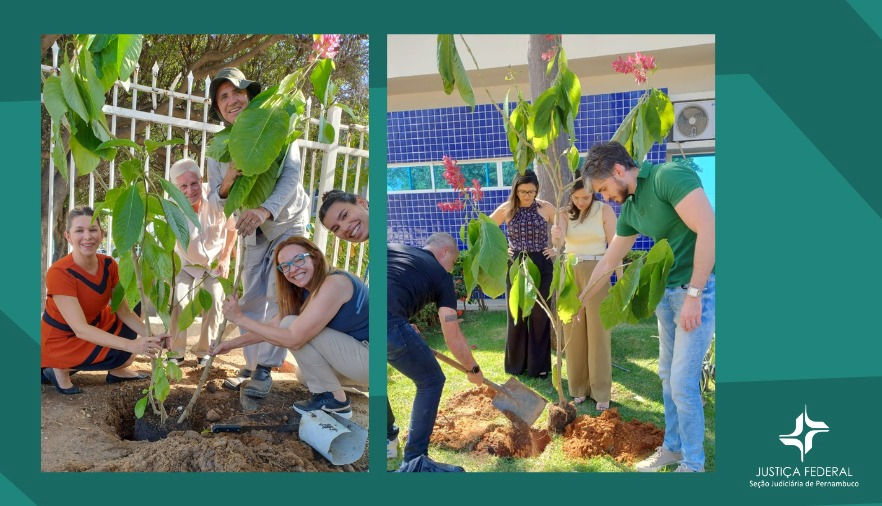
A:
(528, 345)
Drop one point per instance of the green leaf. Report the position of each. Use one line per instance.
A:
(189, 313)
(72, 92)
(517, 292)
(131, 170)
(94, 90)
(573, 158)
(175, 193)
(524, 277)
(346, 109)
(85, 160)
(568, 303)
(205, 298)
(161, 389)
(58, 155)
(320, 77)
(219, 147)
(289, 82)
(106, 65)
(140, 406)
(128, 51)
(625, 133)
(100, 41)
(227, 285)
(156, 259)
(164, 235)
(262, 187)
(542, 109)
(177, 222)
(127, 278)
(154, 206)
(257, 137)
(128, 218)
(173, 371)
(491, 257)
(664, 110)
(116, 143)
(53, 98)
(117, 296)
(238, 193)
(615, 307)
(468, 277)
(572, 89)
(452, 70)
(653, 279)
(151, 145)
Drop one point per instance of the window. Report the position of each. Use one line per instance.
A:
(509, 169)
(409, 178)
(706, 169)
(485, 172)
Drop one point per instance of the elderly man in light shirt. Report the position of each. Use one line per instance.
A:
(206, 259)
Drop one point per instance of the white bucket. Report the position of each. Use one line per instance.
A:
(339, 440)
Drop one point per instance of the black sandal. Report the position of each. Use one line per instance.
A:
(111, 379)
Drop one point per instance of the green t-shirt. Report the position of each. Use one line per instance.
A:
(650, 211)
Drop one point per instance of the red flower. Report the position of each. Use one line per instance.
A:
(453, 174)
(639, 65)
(325, 46)
(550, 37)
(477, 193)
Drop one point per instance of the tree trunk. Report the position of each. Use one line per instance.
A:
(59, 197)
(539, 82)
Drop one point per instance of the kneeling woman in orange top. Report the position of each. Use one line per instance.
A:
(79, 331)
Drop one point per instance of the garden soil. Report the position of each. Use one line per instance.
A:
(468, 422)
(93, 431)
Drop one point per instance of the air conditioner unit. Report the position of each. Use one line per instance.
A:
(694, 121)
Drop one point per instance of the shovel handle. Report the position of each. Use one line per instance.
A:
(456, 365)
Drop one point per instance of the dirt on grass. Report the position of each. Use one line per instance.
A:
(95, 430)
(608, 434)
(469, 422)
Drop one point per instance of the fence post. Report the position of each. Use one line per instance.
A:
(326, 180)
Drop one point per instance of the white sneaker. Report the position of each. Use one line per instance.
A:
(392, 448)
(661, 458)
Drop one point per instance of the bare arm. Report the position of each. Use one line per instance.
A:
(559, 230)
(695, 211)
(223, 262)
(499, 214)
(72, 312)
(456, 342)
(323, 306)
(615, 252)
(609, 229)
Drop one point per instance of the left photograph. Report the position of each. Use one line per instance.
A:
(204, 256)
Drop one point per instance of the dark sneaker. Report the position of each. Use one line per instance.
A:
(326, 402)
(260, 383)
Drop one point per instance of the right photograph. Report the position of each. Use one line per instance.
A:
(551, 253)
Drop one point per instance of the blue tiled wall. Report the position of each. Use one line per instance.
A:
(429, 134)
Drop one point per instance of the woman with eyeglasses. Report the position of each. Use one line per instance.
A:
(528, 346)
(585, 227)
(323, 320)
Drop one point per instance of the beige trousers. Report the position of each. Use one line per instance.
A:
(331, 360)
(211, 319)
(589, 360)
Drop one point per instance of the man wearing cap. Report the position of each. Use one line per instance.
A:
(666, 201)
(212, 244)
(285, 213)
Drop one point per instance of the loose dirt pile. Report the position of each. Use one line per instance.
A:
(94, 431)
(470, 422)
(608, 434)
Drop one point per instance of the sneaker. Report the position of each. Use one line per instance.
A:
(326, 402)
(661, 458)
(178, 361)
(683, 469)
(203, 362)
(392, 448)
(260, 383)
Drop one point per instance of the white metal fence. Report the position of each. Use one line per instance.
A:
(320, 161)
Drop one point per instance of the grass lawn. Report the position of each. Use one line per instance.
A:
(636, 393)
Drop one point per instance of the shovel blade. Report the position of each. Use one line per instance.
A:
(515, 398)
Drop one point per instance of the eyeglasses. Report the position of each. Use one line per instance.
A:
(297, 261)
(527, 193)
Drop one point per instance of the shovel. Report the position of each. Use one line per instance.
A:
(513, 397)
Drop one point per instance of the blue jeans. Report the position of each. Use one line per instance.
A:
(411, 356)
(680, 356)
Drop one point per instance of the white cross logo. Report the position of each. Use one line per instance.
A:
(794, 438)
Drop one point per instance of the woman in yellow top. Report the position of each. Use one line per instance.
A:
(586, 226)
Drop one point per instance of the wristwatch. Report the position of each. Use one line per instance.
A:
(474, 370)
(693, 292)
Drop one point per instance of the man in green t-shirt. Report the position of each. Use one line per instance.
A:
(666, 201)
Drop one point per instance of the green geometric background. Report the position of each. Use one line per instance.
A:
(799, 217)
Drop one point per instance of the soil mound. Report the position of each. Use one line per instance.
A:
(608, 434)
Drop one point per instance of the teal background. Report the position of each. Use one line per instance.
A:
(798, 215)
